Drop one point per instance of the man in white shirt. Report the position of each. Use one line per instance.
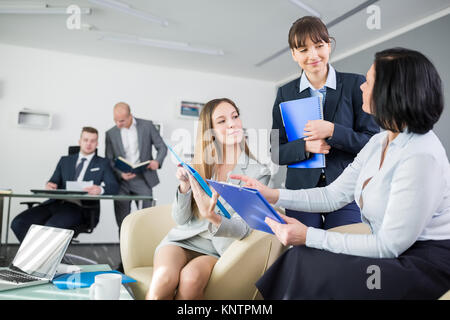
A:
(133, 138)
(83, 166)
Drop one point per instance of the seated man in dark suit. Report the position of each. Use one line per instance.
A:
(68, 214)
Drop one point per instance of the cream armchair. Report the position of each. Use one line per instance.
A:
(234, 274)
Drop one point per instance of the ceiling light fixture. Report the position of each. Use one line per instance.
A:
(28, 7)
(126, 8)
(306, 7)
(23, 4)
(40, 11)
(180, 46)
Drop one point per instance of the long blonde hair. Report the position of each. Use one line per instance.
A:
(207, 151)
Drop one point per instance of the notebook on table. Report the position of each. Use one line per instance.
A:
(38, 256)
(84, 279)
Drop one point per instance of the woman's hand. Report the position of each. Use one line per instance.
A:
(318, 129)
(271, 195)
(291, 233)
(183, 176)
(317, 146)
(205, 204)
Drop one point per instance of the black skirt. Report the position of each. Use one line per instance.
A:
(421, 272)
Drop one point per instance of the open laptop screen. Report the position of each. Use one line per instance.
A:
(42, 250)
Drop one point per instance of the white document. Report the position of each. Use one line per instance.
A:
(78, 185)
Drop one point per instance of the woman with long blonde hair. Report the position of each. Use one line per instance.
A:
(186, 256)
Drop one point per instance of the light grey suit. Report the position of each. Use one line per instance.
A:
(148, 136)
(190, 227)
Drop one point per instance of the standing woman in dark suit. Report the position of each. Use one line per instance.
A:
(401, 182)
(340, 136)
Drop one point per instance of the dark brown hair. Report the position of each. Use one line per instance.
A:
(308, 27)
(90, 130)
(407, 92)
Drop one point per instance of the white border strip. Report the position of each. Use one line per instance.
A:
(381, 39)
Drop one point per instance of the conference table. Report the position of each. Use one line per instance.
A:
(61, 196)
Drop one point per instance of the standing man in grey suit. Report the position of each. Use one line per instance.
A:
(132, 138)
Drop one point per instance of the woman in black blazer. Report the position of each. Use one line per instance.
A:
(340, 136)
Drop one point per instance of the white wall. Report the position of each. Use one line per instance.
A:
(426, 39)
(81, 91)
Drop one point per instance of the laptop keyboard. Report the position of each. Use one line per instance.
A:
(16, 277)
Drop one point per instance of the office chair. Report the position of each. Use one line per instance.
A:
(87, 227)
(76, 149)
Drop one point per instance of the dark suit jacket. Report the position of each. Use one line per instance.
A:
(352, 129)
(99, 170)
(148, 136)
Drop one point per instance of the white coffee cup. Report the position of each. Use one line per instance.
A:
(106, 287)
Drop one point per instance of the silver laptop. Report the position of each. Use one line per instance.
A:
(38, 256)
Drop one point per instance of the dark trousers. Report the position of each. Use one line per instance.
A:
(421, 272)
(347, 215)
(59, 214)
(136, 186)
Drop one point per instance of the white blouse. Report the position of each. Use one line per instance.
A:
(406, 200)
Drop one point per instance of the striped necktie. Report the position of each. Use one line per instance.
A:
(79, 168)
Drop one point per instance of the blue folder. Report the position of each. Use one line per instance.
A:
(224, 212)
(295, 114)
(249, 204)
(83, 279)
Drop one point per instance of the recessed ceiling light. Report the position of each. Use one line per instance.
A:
(180, 46)
(21, 4)
(33, 7)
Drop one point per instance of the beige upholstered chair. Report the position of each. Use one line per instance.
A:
(445, 296)
(233, 276)
(357, 228)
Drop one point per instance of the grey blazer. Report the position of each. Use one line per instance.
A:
(230, 229)
(147, 136)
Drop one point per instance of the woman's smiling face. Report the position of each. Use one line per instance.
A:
(312, 57)
(227, 124)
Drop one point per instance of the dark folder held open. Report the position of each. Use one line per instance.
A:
(249, 204)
